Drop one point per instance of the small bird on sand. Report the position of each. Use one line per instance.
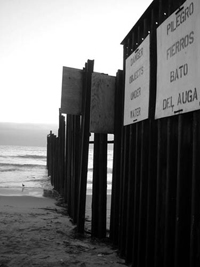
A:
(23, 187)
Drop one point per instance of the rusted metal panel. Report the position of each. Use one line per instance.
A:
(102, 103)
(72, 86)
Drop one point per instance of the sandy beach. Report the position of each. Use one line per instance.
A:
(36, 231)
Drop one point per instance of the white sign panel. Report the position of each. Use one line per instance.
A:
(178, 62)
(136, 102)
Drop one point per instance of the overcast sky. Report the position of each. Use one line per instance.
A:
(39, 37)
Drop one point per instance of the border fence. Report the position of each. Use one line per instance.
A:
(155, 214)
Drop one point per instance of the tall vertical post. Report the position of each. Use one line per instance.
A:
(84, 145)
(115, 200)
(99, 192)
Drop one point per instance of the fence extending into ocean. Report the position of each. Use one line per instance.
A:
(152, 109)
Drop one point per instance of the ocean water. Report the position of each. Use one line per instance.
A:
(109, 169)
(24, 165)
